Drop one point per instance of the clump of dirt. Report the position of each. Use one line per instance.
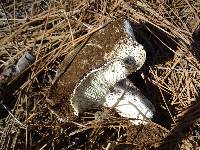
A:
(118, 134)
(145, 137)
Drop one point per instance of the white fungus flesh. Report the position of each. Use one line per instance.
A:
(108, 86)
(130, 103)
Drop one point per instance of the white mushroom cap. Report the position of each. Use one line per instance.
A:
(130, 103)
(105, 85)
(92, 89)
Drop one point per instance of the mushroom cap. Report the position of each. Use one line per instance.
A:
(108, 57)
(91, 91)
(130, 102)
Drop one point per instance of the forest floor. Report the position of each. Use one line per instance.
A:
(51, 29)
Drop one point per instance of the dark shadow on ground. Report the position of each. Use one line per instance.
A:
(7, 97)
(157, 53)
(189, 116)
(181, 130)
(195, 46)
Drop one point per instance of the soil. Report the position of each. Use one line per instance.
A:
(145, 137)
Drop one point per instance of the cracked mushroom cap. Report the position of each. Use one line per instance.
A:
(109, 56)
(129, 102)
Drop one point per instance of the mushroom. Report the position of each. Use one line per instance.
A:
(104, 64)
